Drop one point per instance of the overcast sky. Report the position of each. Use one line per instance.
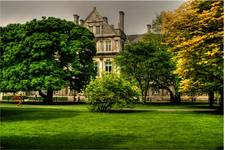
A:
(137, 13)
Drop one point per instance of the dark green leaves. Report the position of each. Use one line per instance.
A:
(45, 54)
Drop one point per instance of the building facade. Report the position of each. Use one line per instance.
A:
(110, 39)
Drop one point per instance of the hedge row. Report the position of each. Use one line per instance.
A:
(37, 98)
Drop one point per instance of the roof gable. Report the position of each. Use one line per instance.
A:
(94, 17)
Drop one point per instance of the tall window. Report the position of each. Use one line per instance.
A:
(97, 29)
(108, 45)
(108, 66)
(91, 28)
(96, 68)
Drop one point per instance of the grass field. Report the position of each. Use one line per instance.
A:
(74, 127)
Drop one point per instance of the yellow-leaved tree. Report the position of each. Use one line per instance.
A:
(194, 33)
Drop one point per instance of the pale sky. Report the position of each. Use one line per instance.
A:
(137, 13)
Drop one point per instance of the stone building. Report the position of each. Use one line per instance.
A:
(110, 39)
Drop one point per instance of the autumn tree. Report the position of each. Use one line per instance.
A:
(45, 55)
(195, 33)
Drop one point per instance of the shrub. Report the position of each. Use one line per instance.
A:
(110, 91)
(60, 98)
(7, 97)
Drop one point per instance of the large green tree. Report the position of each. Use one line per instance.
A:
(195, 33)
(149, 64)
(45, 55)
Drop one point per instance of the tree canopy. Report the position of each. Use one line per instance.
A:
(47, 54)
(195, 34)
(111, 91)
(197, 38)
(148, 62)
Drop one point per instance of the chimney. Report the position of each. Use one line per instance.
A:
(81, 22)
(112, 26)
(121, 20)
(149, 28)
(76, 18)
(105, 19)
(94, 8)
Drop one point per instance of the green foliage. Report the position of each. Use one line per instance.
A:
(147, 62)
(36, 98)
(62, 98)
(157, 22)
(7, 97)
(46, 54)
(110, 91)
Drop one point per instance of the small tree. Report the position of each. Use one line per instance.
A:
(149, 64)
(110, 91)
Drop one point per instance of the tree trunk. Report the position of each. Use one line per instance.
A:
(177, 98)
(142, 95)
(145, 96)
(177, 94)
(48, 98)
(211, 98)
(172, 98)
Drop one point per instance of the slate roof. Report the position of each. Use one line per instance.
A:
(134, 38)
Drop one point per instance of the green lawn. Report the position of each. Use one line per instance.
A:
(74, 127)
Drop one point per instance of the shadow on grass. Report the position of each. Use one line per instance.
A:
(220, 148)
(31, 114)
(67, 141)
(193, 105)
(218, 112)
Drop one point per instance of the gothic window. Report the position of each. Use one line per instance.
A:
(108, 66)
(97, 29)
(108, 45)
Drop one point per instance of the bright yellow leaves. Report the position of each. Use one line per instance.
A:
(195, 33)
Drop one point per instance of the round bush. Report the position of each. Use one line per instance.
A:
(110, 91)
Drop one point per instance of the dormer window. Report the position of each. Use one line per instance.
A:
(97, 29)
